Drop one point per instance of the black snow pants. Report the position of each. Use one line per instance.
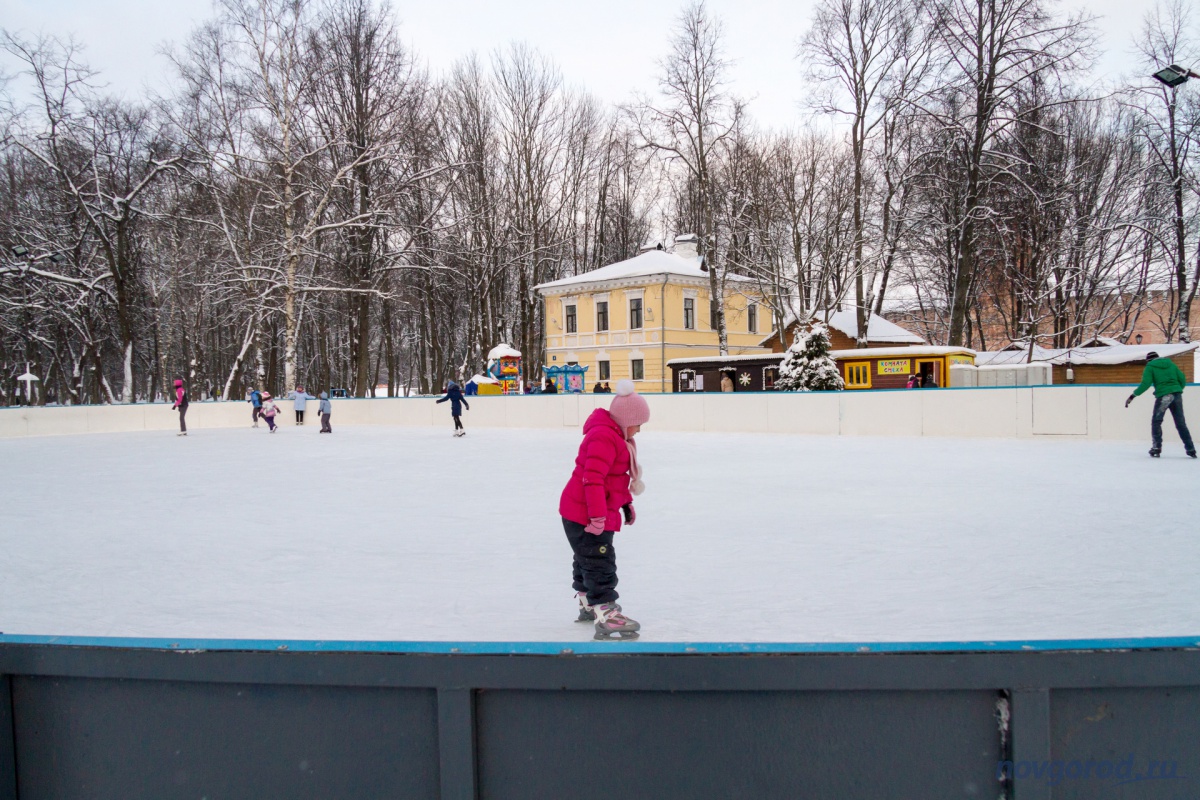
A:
(458, 426)
(299, 417)
(182, 424)
(594, 567)
(325, 424)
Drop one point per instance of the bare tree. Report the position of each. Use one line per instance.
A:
(693, 124)
(869, 57)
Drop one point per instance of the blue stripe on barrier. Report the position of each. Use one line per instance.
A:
(593, 647)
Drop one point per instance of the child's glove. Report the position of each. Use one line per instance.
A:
(630, 514)
(1130, 400)
(595, 526)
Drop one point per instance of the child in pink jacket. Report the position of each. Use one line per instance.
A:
(606, 478)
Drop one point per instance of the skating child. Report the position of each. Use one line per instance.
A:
(457, 402)
(255, 401)
(601, 489)
(181, 403)
(269, 411)
(325, 409)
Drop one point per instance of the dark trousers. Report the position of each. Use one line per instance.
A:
(325, 424)
(270, 422)
(299, 417)
(255, 413)
(594, 566)
(458, 422)
(182, 424)
(1174, 404)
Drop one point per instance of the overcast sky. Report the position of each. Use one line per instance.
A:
(610, 48)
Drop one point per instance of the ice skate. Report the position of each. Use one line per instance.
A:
(612, 624)
(586, 612)
(1155, 452)
(1191, 453)
(182, 433)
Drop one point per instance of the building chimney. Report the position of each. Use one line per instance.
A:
(686, 246)
(648, 246)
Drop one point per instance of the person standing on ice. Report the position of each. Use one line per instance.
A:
(457, 401)
(1168, 381)
(181, 403)
(269, 411)
(606, 478)
(325, 409)
(256, 400)
(300, 399)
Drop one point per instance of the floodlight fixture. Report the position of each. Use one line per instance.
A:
(57, 258)
(20, 251)
(1174, 75)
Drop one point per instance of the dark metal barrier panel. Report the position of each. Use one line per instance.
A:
(143, 722)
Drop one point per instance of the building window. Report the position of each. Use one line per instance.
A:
(602, 315)
(689, 313)
(635, 313)
(637, 369)
(752, 318)
(572, 325)
(770, 375)
(712, 314)
(858, 375)
(605, 371)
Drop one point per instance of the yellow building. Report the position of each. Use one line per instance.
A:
(627, 320)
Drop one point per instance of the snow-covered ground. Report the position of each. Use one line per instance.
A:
(409, 534)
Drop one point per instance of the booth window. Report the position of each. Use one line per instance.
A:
(858, 375)
(635, 313)
(602, 315)
(752, 318)
(637, 370)
(605, 371)
(571, 321)
(770, 375)
(689, 313)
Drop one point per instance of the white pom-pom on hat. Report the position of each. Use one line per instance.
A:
(625, 387)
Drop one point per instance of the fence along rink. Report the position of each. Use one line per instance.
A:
(1091, 412)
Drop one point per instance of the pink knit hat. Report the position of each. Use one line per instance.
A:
(629, 408)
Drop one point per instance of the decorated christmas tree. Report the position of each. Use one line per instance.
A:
(807, 366)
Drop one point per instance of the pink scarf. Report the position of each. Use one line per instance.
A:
(636, 486)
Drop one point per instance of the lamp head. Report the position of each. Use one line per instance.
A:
(1173, 75)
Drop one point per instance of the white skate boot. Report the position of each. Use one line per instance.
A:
(586, 612)
(612, 624)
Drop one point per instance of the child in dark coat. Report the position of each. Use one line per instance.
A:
(457, 402)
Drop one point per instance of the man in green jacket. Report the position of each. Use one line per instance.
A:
(1168, 381)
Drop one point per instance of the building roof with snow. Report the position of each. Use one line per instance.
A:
(644, 265)
(1105, 354)
(880, 331)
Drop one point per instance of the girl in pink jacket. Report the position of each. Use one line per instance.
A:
(607, 476)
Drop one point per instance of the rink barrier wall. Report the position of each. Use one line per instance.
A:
(1085, 412)
(183, 719)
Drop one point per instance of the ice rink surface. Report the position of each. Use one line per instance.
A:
(409, 534)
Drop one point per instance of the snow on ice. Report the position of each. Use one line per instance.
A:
(409, 534)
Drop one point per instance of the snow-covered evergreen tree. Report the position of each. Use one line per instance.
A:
(807, 366)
